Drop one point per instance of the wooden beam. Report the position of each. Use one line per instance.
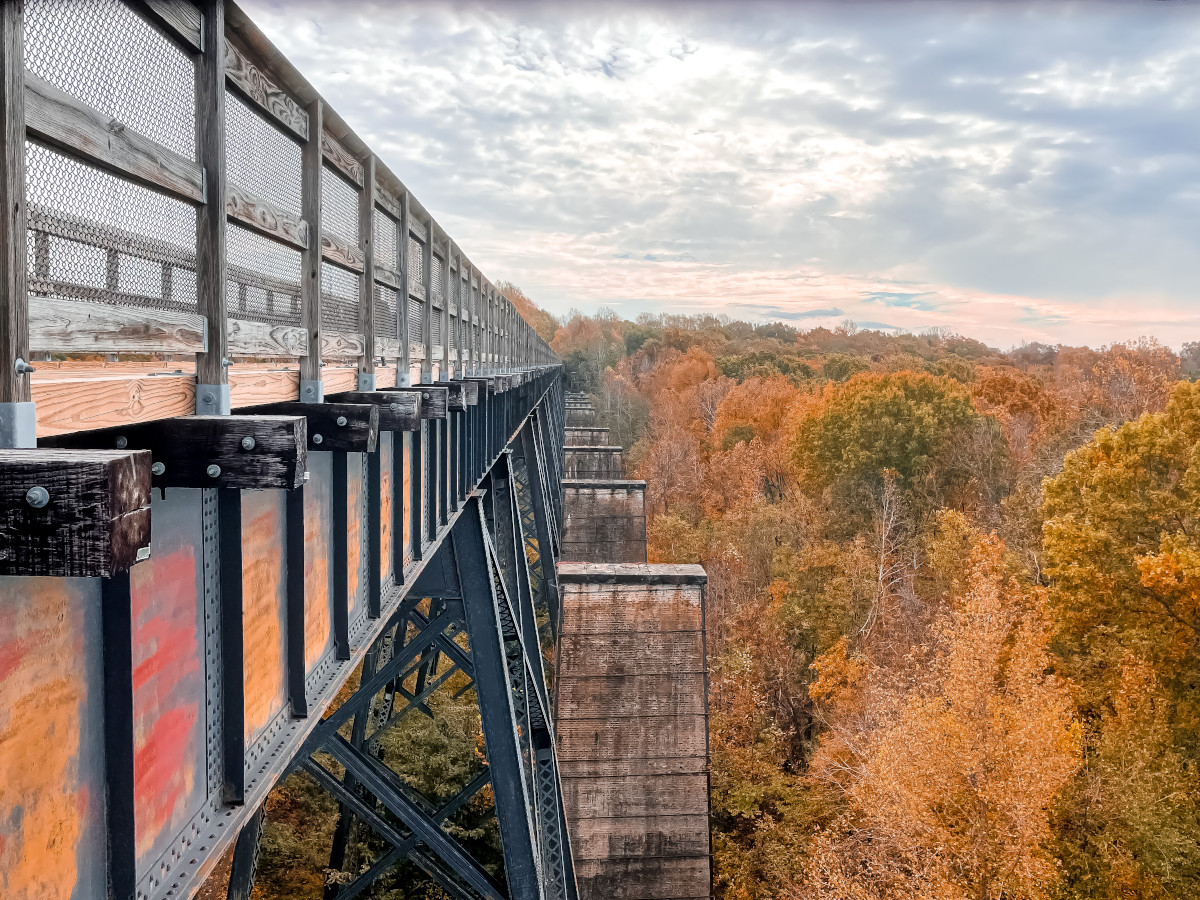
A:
(339, 252)
(386, 200)
(255, 85)
(265, 217)
(179, 20)
(456, 397)
(60, 120)
(310, 258)
(248, 452)
(346, 427)
(66, 404)
(75, 326)
(73, 514)
(433, 399)
(337, 156)
(14, 323)
(416, 228)
(366, 293)
(397, 411)
(404, 287)
(388, 276)
(211, 261)
(341, 345)
(246, 338)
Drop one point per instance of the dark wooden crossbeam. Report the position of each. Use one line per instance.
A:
(73, 513)
(397, 411)
(456, 400)
(251, 452)
(350, 427)
(434, 402)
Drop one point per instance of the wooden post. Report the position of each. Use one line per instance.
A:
(18, 423)
(311, 388)
(447, 293)
(212, 374)
(404, 376)
(427, 312)
(366, 293)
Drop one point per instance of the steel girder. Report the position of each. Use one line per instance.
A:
(488, 582)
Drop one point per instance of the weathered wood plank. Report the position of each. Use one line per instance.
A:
(72, 404)
(644, 879)
(340, 378)
(75, 326)
(88, 514)
(212, 222)
(343, 161)
(336, 250)
(265, 217)
(389, 348)
(311, 170)
(248, 338)
(417, 229)
(59, 119)
(386, 200)
(257, 86)
(388, 276)
(341, 345)
(248, 452)
(347, 427)
(635, 795)
(632, 737)
(434, 400)
(397, 411)
(254, 386)
(179, 18)
(366, 292)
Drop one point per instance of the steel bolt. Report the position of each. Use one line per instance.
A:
(310, 390)
(317, 439)
(157, 469)
(248, 443)
(37, 496)
(341, 420)
(121, 442)
(213, 470)
(425, 395)
(209, 397)
(24, 368)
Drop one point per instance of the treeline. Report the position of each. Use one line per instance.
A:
(954, 600)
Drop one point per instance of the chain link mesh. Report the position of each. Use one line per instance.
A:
(264, 278)
(339, 206)
(260, 157)
(339, 299)
(436, 328)
(94, 236)
(387, 240)
(104, 54)
(415, 313)
(438, 281)
(387, 323)
(416, 261)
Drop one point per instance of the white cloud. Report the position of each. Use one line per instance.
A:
(1034, 169)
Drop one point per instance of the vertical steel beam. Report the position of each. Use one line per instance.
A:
(119, 808)
(229, 518)
(297, 693)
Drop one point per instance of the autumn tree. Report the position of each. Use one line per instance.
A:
(949, 770)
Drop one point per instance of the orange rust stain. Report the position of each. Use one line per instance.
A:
(354, 485)
(42, 685)
(262, 605)
(317, 624)
(168, 689)
(406, 497)
(385, 517)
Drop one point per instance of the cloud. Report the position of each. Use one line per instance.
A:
(1010, 171)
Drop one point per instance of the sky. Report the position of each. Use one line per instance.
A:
(1008, 171)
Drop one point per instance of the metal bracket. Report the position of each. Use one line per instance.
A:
(312, 391)
(18, 426)
(212, 400)
(366, 381)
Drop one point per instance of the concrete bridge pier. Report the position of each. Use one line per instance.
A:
(631, 701)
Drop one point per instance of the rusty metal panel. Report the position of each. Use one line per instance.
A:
(356, 510)
(406, 496)
(170, 747)
(386, 487)
(318, 572)
(51, 740)
(264, 610)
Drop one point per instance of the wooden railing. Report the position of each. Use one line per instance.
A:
(335, 259)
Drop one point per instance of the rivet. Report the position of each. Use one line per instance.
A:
(317, 439)
(248, 443)
(37, 496)
(341, 420)
(121, 442)
(158, 468)
(213, 470)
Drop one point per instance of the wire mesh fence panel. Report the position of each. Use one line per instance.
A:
(438, 281)
(260, 157)
(263, 283)
(339, 299)
(416, 309)
(95, 236)
(387, 240)
(105, 55)
(416, 262)
(436, 326)
(339, 206)
(387, 322)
